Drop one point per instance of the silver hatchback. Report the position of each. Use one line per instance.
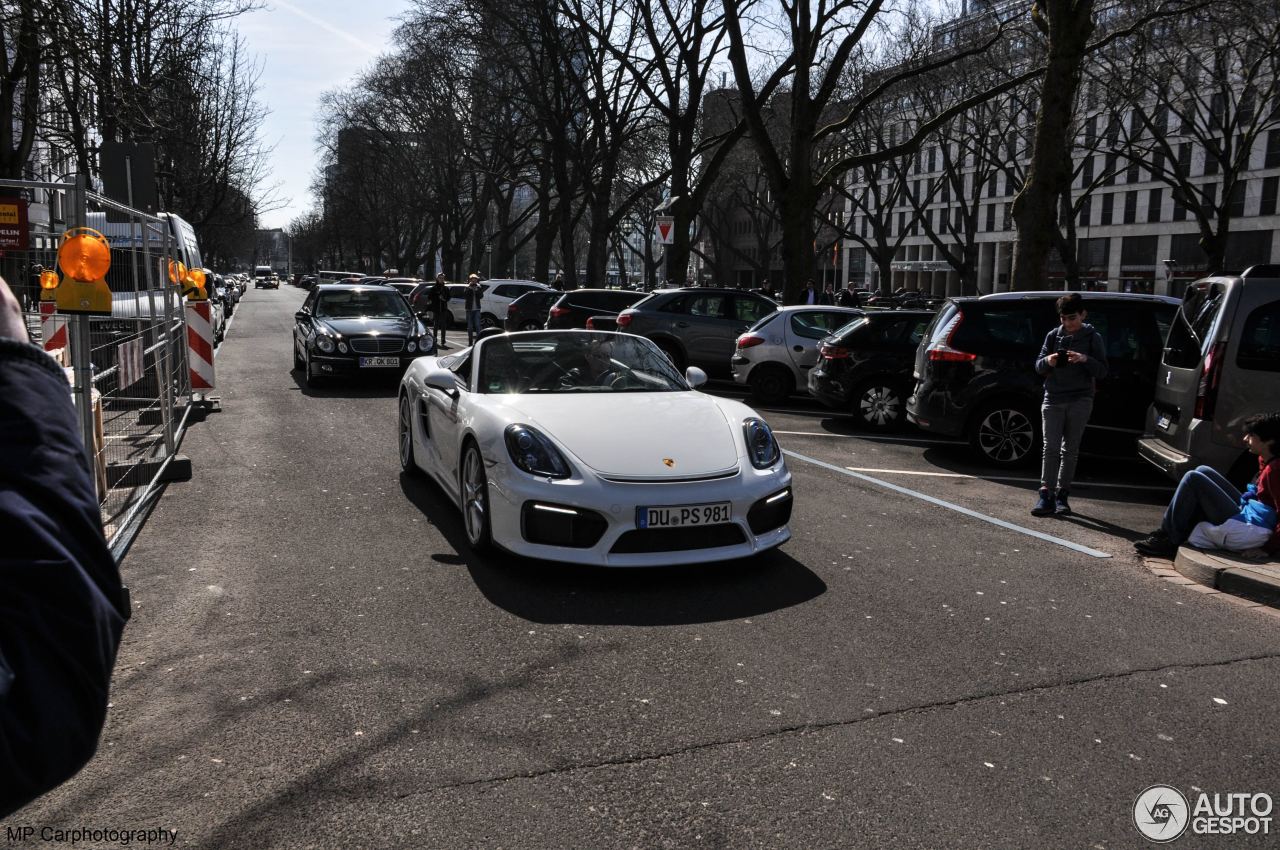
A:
(775, 355)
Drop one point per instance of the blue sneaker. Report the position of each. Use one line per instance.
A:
(1062, 508)
(1044, 507)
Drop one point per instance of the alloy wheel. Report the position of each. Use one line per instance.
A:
(1006, 435)
(880, 406)
(475, 507)
(406, 434)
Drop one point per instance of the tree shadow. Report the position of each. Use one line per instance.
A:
(550, 592)
(373, 386)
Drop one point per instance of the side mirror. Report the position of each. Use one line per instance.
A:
(301, 315)
(442, 379)
(695, 376)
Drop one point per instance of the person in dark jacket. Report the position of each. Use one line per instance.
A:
(440, 310)
(471, 306)
(1072, 360)
(62, 607)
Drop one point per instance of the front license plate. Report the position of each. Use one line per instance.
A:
(680, 516)
(379, 361)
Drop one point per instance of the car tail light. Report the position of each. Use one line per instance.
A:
(624, 320)
(940, 351)
(833, 352)
(591, 323)
(1207, 392)
(511, 309)
(557, 312)
(748, 340)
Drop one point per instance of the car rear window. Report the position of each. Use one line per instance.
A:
(816, 324)
(1260, 342)
(750, 309)
(1018, 326)
(1189, 336)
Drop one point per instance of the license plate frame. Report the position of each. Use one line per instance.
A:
(379, 362)
(684, 516)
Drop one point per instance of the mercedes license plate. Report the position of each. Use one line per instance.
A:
(680, 516)
(379, 361)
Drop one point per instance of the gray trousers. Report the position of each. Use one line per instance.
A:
(1064, 423)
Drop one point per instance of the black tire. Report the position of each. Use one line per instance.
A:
(404, 437)
(488, 320)
(879, 404)
(771, 383)
(530, 325)
(473, 487)
(673, 353)
(298, 362)
(1005, 433)
(311, 381)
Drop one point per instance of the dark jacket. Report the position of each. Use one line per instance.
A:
(471, 298)
(1070, 381)
(439, 297)
(61, 604)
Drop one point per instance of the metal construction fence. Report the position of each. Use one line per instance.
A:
(128, 371)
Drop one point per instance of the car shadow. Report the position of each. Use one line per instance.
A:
(373, 386)
(553, 593)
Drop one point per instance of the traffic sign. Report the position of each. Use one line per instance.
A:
(666, 229)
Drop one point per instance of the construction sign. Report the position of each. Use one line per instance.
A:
(666, 229)
(13, 224)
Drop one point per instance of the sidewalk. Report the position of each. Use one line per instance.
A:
(1226, 572)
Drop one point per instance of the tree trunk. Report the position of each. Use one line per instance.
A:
(797, 238)
(1068, 25)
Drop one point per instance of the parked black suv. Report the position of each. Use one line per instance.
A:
(574, 308)
(529, 311)
(864, 368)
(696, 326)
(976, 378)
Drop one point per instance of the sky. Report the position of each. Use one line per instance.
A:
(308, 47)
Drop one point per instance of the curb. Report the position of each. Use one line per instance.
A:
(1256, 583)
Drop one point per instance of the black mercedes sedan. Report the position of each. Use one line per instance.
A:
(355, 329)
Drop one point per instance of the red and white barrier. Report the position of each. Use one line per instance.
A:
(53, 328)
(200, 345)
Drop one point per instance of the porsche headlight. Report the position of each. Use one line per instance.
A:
(531, 451)
(324, 343)
(762, 448)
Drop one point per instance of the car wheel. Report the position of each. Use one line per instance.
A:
(487, 321)
(530, 326)
(771, 384)
(879, 404)
(475, 499)
(672, 352)
(405, 436)
(312, 381)
(298, 362)
(1005, 434)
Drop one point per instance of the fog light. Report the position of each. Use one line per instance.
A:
(342, 346)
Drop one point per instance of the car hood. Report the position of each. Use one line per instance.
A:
(361, 327)
(636, 435)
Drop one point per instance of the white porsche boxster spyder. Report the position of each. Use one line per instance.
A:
(591, 448)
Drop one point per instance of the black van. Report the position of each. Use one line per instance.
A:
(975, 370)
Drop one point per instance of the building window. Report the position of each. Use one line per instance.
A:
(1210, 162)
(1179, 208)
(1157, 165)
(1086, 211)
(1184, 159)
(1131, 175)
(933, 159)
(1130, 207)
(1086, 172)
(1155, 200)
(1005, 222)
(1270, 186)
(1273, 149)
(1210, 192)
(991, 218)
(1108, 207)
(1235, 204)
(1138, 251)
(1111, 170)
(993, 184)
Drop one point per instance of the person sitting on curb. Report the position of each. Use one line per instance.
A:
(1208, 513)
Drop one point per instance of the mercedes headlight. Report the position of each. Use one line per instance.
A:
(324, 343)
(531, 451)
(762, 448)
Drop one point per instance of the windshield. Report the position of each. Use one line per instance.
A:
(362, 304)
(575, 362)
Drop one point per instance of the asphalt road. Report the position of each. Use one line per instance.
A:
(316, 660)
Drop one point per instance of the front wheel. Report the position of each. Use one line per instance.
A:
(673, 354)
(1005, 434)
(771, 384)
(487, 321)
(530, 326)
(475, 500)
(405, 436)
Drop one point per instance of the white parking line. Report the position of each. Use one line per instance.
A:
(1030, 532)
(1020, 478)
(875, 438)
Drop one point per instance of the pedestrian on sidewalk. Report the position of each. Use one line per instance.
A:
(440, 310)
(471, 304)
(1209, 513)
(1072, 360)
(62, 607)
